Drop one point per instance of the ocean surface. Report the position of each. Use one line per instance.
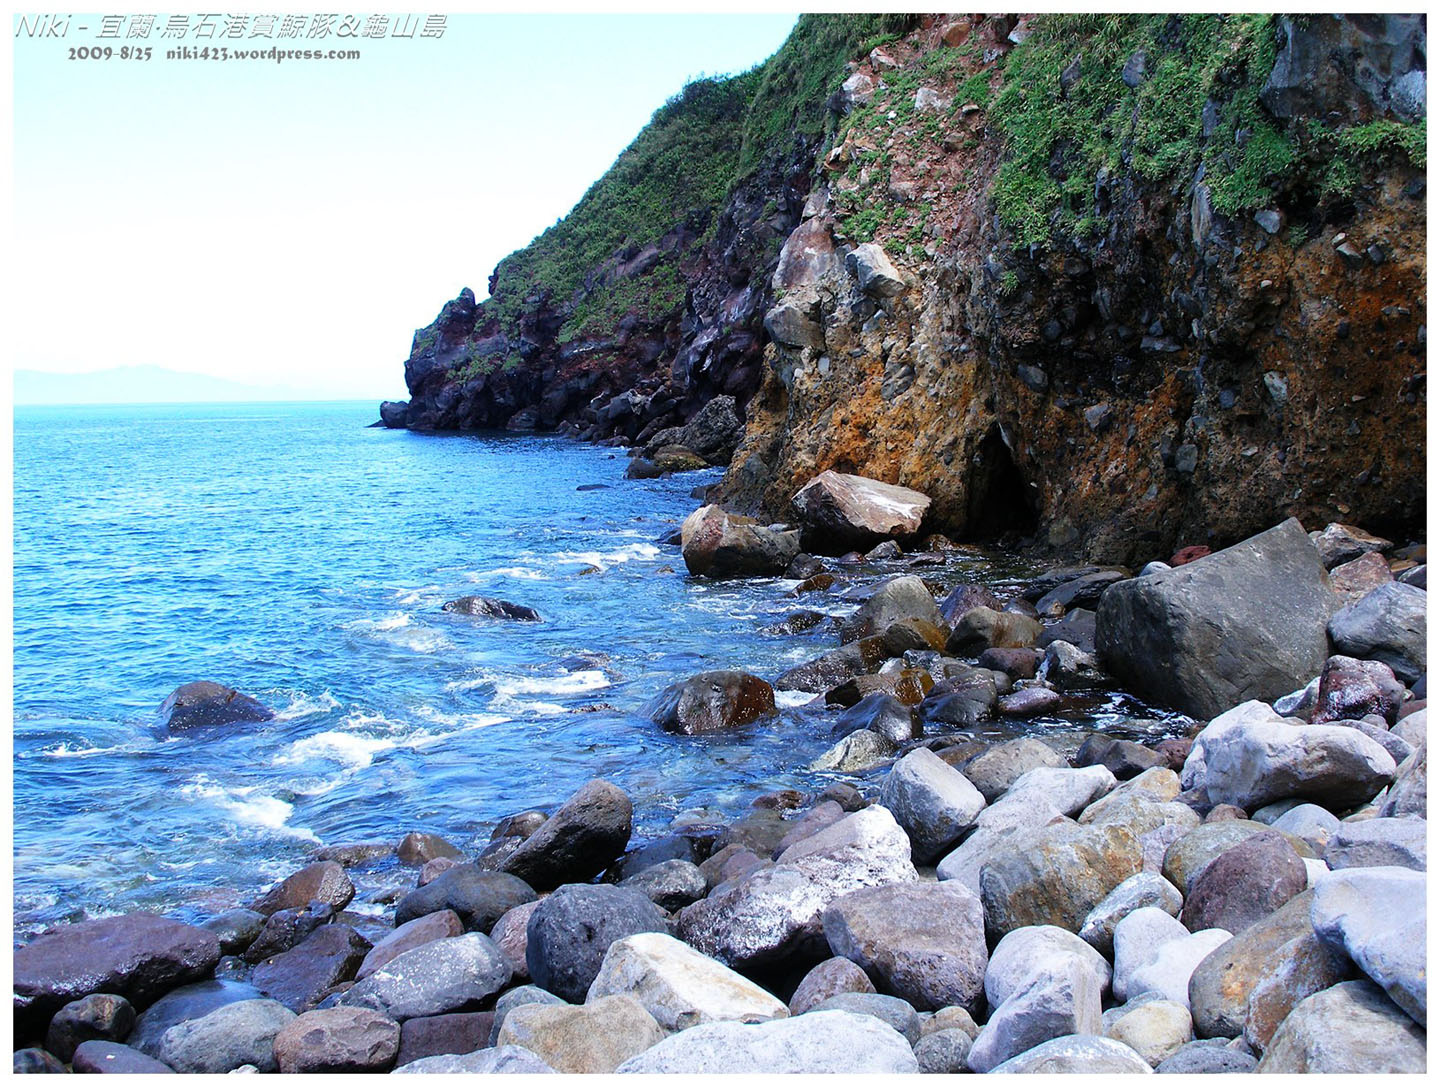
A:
(294, 553)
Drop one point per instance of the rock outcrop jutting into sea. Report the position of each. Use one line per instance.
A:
(1115, 283)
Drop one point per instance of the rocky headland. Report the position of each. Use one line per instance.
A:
(1143, 296)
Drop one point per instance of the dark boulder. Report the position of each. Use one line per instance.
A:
(433, 1035)
(1123, 758)
(137, 955)
(323, 881)
(488, 607)
(100, 1058)
(717, 543)
(1244, 623)
(578, 842)
(393, 413)
(300, 977)
(1350, 689)
(879, 712)
(102, 1016)
(202, 704)
(477, 897)
(571, 930)
(711, 702)
(1245, 884)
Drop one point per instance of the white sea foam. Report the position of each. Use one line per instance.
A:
(606, 559)
(304, 705)
(65, 751)
(788, 700)
(350, 749)
(403, 631)
(570, 683)
(247, 806)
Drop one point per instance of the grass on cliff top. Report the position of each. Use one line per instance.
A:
(681, 169)
(1061, 141)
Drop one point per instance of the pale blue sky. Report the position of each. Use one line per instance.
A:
(294, 223)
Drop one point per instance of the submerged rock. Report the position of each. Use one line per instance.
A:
(489, 607)
(203, 703)
(711, 702)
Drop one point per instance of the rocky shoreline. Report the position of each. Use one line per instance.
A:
(1247, 897)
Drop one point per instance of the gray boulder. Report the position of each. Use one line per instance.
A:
(1248, 622)
(892, 602)
(1206, 1056)
(1388, 625)
(409, 935)
(509, 1059)
(1408, 795)
(830, 978)
(570, 931)
(880, 712)
(933, 801)
(1026, 953)
(1076, 1053)
(819, 1042)
(923, 942)
(999, 768)
(300, 977)
(101, 1016)
(1374, 843)
(1140, 890)
(890, 1010)
(439, 977)
(182, 1004)
(872, 268)
(670, 884)
(1349, 1028)
(476, 897)
(1377, 917)
(222, 1040)
(863, 750)
(110, 1058)
(1250, 765)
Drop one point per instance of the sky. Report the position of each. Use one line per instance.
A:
(292, 224)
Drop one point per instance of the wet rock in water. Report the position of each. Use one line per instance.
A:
(1123, 758)
(830, 978)
(917, 634)
(669, 884)
(863, 750)
(137, 955)
(964, 597)
(596, 1037)
(815, 583)
(1076, 1053)
(222, 1040)
(490, 608)
(1139, 891)
(437, 1035)
(676, 458)
(1387, 624)
(418, 848)
(582, 838)
(711, 702)
(844, 512)
(934, 802)
(892, 602)
(1339, 543)
(821, 674)
(923, 942)
(819, 1042)
(909, 685)
(1067, 668)
(1246, 622)
(679, 986)
(1029, 702)
(300, 977)
(1015, 663)
(100, 1058)
(285, 929)
(1245, 884)
(569, 932)
(879, 712)
(1350, 689)
(338, 1040)
(430, 871)
(439, 925)
(797, 622)
(1378, 843)
(1056, 876)
(202, 704)
(324, 881)
(1081, 592)
(717, 543)
(99, 1016)
(1004, 764)
(1377, 917)
(353, 854)
(236, 929)
(477, 897)
(433, 979)
(775, 911)
(961, 700)
(641, 468)
(1349, 1028)
(980, 629)
(884, 551)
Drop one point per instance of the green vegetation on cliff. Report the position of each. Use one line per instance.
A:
(1069, 114)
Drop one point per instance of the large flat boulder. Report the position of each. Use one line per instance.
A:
(1251, 765)
(1377, 917)
(1245, 623)
(139, 956)
(846, 512)
(442, 976)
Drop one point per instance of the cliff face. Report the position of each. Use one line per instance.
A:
(1116, 284)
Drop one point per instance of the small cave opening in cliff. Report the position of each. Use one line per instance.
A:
(1001, 501)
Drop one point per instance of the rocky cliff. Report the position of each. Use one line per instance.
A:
(1109, 284)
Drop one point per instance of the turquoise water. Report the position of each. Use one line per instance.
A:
(292, 552)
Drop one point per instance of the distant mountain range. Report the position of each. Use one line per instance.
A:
(144, 385)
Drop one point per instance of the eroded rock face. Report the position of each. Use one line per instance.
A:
(1245, 623)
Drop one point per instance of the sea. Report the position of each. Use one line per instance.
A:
(298, 554)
